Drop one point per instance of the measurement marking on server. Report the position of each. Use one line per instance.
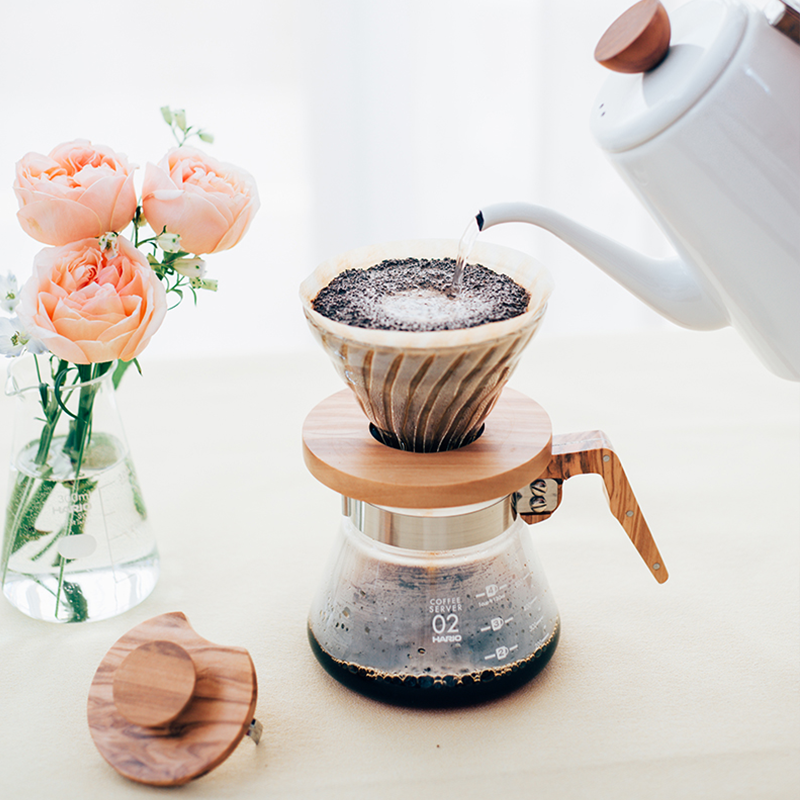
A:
(492, 589)
(496, 624)
(530, 603)
(501, 653)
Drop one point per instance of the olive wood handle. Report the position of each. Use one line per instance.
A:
(592, 452)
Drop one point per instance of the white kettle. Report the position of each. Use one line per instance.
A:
(709, 140)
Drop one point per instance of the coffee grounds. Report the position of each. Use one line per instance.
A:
(415, 295)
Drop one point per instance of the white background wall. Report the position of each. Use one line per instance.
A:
(361, 120)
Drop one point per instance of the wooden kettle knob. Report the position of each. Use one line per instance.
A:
(637, 41)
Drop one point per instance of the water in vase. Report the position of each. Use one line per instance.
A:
(77, 550)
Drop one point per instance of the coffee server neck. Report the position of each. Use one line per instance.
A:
(431, 529)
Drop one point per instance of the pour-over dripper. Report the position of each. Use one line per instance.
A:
(428, 391)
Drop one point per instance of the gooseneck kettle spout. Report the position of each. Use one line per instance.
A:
(669, 286)
(700, 116)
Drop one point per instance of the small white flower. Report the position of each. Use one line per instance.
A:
(194, 268)
(108, 241)
(180, 118)
(9, 292)
(12, 339)
(169, 242)
(36, 347)
(204, 283)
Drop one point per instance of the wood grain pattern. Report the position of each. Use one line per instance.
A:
(516, 448)
(342, 454)
(592, 452)
(788, 22)
(637, 41)
(202, 736)
(154, 683)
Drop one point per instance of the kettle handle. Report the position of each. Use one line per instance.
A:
(591, 452)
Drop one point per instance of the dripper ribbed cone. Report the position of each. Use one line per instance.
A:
(428, 391)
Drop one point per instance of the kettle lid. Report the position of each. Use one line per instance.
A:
(633, 108)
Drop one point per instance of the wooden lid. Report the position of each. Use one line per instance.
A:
(166, 706)
(513, 450)
(637, 41)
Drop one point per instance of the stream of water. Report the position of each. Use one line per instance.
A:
(465, 245)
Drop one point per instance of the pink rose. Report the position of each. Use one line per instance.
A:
(87, 304)
(78, 191)
(208, 204)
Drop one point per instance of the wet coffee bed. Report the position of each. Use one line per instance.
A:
(416, 295)
(437, 691)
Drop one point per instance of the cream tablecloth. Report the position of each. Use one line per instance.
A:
(686, 690)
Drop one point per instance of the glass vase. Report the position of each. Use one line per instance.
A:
(77, 545)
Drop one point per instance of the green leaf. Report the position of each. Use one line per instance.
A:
(119, 371)
(23, 528)
(57, 393)
(75, 598)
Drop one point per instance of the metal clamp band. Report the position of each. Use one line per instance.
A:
(430, 529)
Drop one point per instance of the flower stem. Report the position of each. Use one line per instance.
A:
(77, 440)
(31, 492)
(24, 509)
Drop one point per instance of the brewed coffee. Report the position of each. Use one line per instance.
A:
(437, 691)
